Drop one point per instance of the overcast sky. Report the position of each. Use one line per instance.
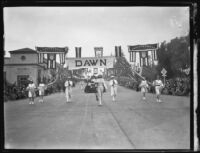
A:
(90, 27)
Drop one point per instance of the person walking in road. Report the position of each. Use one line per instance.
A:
(113, 87)
(68, 89)
(144, 88)
(158, 88)
(94, 84)
(41, 88)
(31, 92)
(101, 87)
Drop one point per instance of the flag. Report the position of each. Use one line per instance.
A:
(132, 56)
(78, 52)
(118, 51)
(51, 61)
(41, 58)
(98, 51)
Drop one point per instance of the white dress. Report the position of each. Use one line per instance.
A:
(113, 87)
(41, 89)
(158, 86)
(144, 86)
(31, 90)
(68, 88)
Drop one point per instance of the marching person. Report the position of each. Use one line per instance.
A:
(113, 87)
(158, 87)
(94, 84)
(101, 87)
(31, 92)
(144, 86)
(68, 89)
(41, 88)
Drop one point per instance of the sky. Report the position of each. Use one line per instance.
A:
(90, 27)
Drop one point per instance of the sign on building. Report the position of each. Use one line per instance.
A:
(90, 62)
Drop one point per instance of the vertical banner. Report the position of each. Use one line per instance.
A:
(118, 51)
(98, 51)
(155, 55)
(132, 56)
(61, 59)
(78, 52)
(40, 57)
(51, 61)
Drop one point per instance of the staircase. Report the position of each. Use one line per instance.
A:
(126, 70)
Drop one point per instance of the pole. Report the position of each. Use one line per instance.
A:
(164, 80)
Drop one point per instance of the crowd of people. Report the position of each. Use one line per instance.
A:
(175, 86)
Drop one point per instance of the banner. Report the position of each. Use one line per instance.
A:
(78, 52)
(41, 57)
(132, 56)
(51, 61)
(118, 51)
(98, 51)
(143, 47)
(90, 62)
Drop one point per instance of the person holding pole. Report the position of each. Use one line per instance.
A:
(31, 92)
(101, 85)
(41, 88)
(113, 87)
(144, 86)
(68, 89)
(158, 88)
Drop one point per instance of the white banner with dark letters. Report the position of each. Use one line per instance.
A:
(89, 62)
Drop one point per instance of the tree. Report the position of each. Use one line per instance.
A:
(174, 56)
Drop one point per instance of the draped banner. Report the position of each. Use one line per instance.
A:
(78, 52)
(90, 62)
(132, 56)
(51, 55)
(98, 51)
(118, 51)
(41, 57)
(51, 61)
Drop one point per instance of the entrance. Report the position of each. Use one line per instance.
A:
(22, 80)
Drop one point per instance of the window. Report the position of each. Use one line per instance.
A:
(23, 58)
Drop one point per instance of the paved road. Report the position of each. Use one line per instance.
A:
(128, 123)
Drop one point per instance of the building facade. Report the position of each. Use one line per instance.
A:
(21, 66)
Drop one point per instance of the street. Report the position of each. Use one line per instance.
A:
(128, 123)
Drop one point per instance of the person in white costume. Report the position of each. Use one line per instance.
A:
(41, 88)
(101, 85)
(113, 87)
(68, 89)
(31, 92)
(158, 88)
(144, 88)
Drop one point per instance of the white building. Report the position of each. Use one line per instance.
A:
(23, 65)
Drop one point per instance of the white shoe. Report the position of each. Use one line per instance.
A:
(157, 100)
(160, 101)
(144, 98)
